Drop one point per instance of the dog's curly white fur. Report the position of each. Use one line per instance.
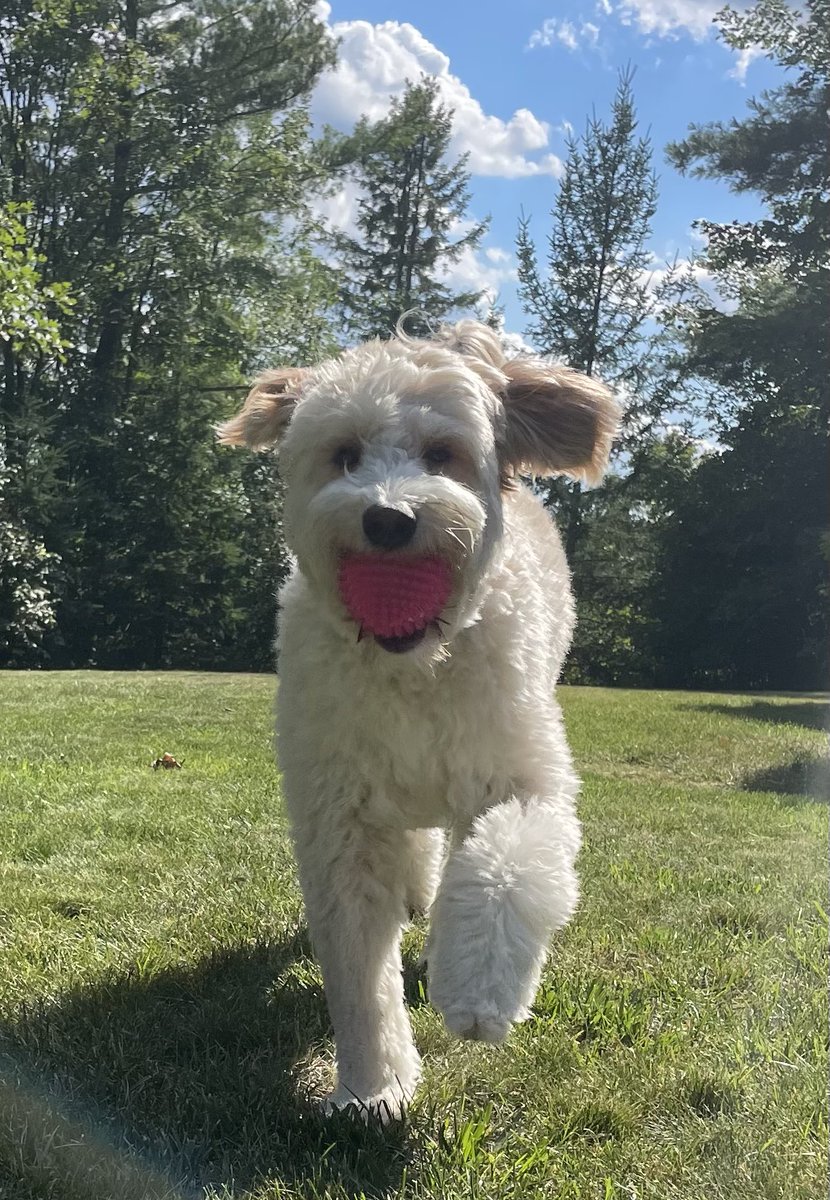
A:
(458, 735)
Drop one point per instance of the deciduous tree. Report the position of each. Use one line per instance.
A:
(165, 156)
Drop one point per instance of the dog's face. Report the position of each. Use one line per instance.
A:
(395, 457)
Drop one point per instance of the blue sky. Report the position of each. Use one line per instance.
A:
(518, 74)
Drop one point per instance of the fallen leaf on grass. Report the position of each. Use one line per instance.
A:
(167, 761)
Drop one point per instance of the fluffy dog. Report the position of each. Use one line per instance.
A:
(422, 632)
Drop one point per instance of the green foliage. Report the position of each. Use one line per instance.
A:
(163, 154)
(27, 570)
(741, 599)
(30, 336)
(157, 246)
(772, 348)
(596, 301)
(596, 304)
(711, 569)
(617, 564)
(27, 328)
(744, 597)
(779, 150)
(412, 199)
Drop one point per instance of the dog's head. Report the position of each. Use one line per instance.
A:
(396, 456)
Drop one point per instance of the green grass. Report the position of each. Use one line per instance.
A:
(162, 1024)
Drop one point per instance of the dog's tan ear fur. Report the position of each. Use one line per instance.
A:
(559, 421)
(268, 408)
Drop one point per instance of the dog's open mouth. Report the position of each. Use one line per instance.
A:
(399, 645)
(394, 598)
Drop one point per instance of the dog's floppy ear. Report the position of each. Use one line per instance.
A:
(268, 408)
(558, 420)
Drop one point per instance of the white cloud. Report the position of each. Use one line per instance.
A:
(696, 239)
(553, 30)
(658, 18)
(545, 35)
(742, 62)
(338, 209)
(472, 273)
(514, 344)
(670, 18)
(374, 64)
(567, 35)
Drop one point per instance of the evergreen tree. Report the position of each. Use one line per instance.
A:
(411, 219)
(599, 305)
(621, 556)
(744, 594)
(596, 302)
(775, 271)
(592, 301)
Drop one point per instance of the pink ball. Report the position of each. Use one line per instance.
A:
(392, 597)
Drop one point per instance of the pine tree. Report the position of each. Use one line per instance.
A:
(598, 304)
(595, 300)
(412, 218)
(774, 270)
(744, 596)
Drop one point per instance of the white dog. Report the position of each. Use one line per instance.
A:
(422, 632)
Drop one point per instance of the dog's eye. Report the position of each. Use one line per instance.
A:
(437, 456)
(347, 457)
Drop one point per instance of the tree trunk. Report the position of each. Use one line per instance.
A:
(573, 515)
(414, 224)
(10, 416)
(115, 304)
(573, 521)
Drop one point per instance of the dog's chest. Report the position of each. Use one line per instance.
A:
(426, 751)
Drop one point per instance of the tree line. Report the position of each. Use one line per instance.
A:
(160, 240)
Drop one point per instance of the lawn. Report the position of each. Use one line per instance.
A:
(162, 1024)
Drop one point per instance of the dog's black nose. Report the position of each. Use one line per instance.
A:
(388, 528)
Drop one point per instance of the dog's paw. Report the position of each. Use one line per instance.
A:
(384, 1107)
(482, 1024)
(481, 999)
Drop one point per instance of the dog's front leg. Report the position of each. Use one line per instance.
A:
(507, 885)
(353, 879)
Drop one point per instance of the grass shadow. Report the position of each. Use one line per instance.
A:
(184, 1079)
(809, 714)
(805, 777)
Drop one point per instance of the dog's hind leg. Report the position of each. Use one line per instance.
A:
(506, 887)
(353, 878)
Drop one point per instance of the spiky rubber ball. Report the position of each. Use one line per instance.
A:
(391, 596)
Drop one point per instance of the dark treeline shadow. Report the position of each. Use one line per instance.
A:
(807, 775)
(810, 714)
